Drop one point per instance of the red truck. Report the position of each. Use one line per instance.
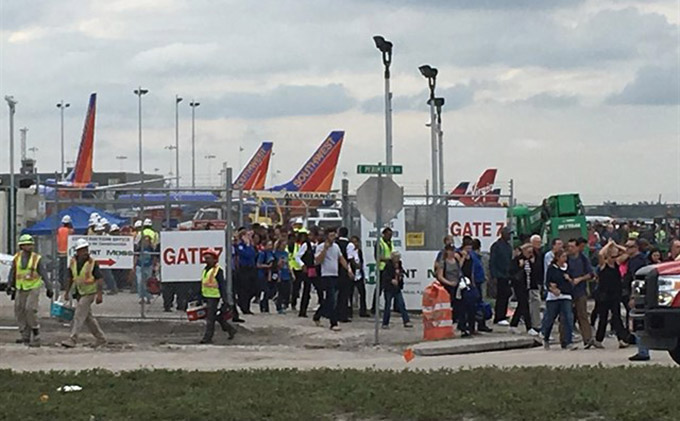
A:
(656, 307)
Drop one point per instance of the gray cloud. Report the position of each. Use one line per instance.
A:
(491, 4)
(457, 96)
(282, 101)
(653, 85)
(549, 100)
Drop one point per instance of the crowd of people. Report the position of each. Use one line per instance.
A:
(285, 267)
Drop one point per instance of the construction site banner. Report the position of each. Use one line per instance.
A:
(483, 223)
(110, 251)
(181, 253)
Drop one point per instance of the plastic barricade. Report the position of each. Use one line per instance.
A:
(437, 313)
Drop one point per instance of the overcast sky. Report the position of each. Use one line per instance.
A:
(559, 95)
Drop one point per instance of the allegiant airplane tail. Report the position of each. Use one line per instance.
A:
(319, 171)
(254, 174)
(81, 175)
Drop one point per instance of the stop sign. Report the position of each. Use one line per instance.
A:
(383, 193)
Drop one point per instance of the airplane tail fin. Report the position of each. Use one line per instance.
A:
(254, 174)
(82, 171)
(460, 190)
(486, 180)
(319, 171)
(492, 198)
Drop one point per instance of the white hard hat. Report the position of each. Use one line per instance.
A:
(94, 215)
(92, 222)
(66, 219)
(104, 221)
(265, 226)
(138, 224)
(81, 244)
(299, 220)
(114, 227)
(99, 227)
(147, 222)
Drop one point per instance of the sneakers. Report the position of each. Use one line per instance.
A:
(484, 328)
(99, 343)
(205, 341)
(513, 330)
(503, 323)
(317, 323)
(589, 344)
(639, 357)
(68, 343)
(598, 345)
(623, 344)
(546, 344)
(408, 325)
(336, 328)
(532, 332)
(385, 327)
(571, 347)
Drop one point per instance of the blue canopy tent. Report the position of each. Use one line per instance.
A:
(80, 217)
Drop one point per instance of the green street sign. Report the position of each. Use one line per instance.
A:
(380, 169)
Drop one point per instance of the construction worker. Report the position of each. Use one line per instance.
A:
(148, 230)
(87, 277)
(293, 248)
(25, 279)
(63, 232)
(138, 231)
(214, 287)
(298, 224)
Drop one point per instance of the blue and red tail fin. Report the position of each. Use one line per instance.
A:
(319, 171)
(81, 175)
(460, 190)
(492, 198)
(254, 174)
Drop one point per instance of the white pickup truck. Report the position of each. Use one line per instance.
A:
(5, 265)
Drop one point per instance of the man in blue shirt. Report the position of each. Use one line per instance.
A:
(285, 275)
(581, 272)
(246, 279)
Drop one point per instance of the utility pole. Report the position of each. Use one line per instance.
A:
(62, 107)
(11, 102)
(177, 101)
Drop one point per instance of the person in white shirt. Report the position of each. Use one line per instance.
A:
(309, 271)
(549, 256)
(329, 256)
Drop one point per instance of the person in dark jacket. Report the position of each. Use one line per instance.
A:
(392, 282)
(521, 272)
(558, 301)
(609, 295)
(499, 266)
(214, 288)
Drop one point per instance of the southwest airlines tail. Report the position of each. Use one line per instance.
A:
(319, 171)
(254, 174)
(81, 175)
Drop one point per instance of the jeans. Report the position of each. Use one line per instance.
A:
(267, 290)
(327, 287)
(283, 296)
(535, 308)
(143, 273)
(553, 308)
(641, 350)
(399, 300)
(522, 310)
(503, 294)
(109, 280)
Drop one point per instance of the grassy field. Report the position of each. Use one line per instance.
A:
(640, 393)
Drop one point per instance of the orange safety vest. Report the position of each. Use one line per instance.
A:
(437, 313)
(62, 239)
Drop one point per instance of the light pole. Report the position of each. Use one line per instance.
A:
(11, 102)
(209, 158)
(139, 92)
(173, 148)
(430, 73)
(385, 48)
(193, 105)
(121, 158)
(177, 101)
(62, 107)
(438, 104)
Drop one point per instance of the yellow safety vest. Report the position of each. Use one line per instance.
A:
(209, 286)
(292, 262)
(151, 234)
(84, 281)
(386, 252)
(27, 278)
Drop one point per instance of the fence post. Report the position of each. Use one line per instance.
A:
(345, 205)
(55, 253)
(240, 206)
(228, 242)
